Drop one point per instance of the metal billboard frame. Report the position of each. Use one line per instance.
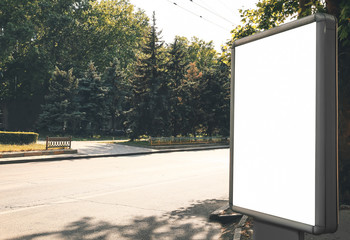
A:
(326, 153)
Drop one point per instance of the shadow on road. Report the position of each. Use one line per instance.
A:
(182, 224)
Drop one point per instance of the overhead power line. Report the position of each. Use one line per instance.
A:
(224, 4)
(195, 14)
(212, 12)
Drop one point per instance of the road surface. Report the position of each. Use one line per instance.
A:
(159, 196)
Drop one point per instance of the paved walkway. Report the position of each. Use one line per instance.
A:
(86, 149)
(103, 147)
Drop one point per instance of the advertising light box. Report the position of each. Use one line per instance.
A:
(284, 125)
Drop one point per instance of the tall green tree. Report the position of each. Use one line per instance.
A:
(189, 97)
(192, 68)
(149, 112)
(114, 78)
(60, 113)
(178, 61)
(92, 98)
(215, 99)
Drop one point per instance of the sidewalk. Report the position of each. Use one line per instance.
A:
(94, 149)
(86, 149)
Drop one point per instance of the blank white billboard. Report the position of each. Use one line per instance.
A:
(280, 84)
(275, 112)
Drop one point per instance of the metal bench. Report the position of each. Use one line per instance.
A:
(58, 142)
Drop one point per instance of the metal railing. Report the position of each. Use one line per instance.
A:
(186, 140)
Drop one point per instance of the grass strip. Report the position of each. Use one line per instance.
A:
(21, 148)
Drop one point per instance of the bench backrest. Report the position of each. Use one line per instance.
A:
(58, 142)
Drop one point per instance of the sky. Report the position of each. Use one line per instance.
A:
(183, 19)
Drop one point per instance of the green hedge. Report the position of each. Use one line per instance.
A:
(18, 137)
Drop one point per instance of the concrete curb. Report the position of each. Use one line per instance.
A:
(176, 146)
(37, 153)
(77, 157)
(238, 230)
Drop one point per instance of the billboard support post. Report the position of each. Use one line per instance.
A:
(263, 231)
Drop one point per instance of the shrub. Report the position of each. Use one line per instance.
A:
(18, 137)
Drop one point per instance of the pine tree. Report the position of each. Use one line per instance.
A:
(176, 70)
(215, 99)
(189, 98)
(115, 80)
(149, 112)
(60, 112)
(92, 99)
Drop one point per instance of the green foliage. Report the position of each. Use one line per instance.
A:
(344, 23)
(190, 101)
(199, 96)
(143, 84)
(118, 93)
(203, 53)
(60, 113)
(344, 56)
(18, 137)
(215, 98)
(32, 34)
(113, 29)
(308, 7)
(343, 11)
(178, 61)
(173, 87)
(150, 94)
(91, 99)
(38, 35)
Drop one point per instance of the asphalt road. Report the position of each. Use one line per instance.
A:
(161, 196)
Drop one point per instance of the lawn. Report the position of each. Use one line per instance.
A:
(20, 148)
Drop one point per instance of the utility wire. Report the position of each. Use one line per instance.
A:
(224, 4)
(193, 13)
(212, 12)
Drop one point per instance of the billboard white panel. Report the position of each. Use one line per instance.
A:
(275, 122)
